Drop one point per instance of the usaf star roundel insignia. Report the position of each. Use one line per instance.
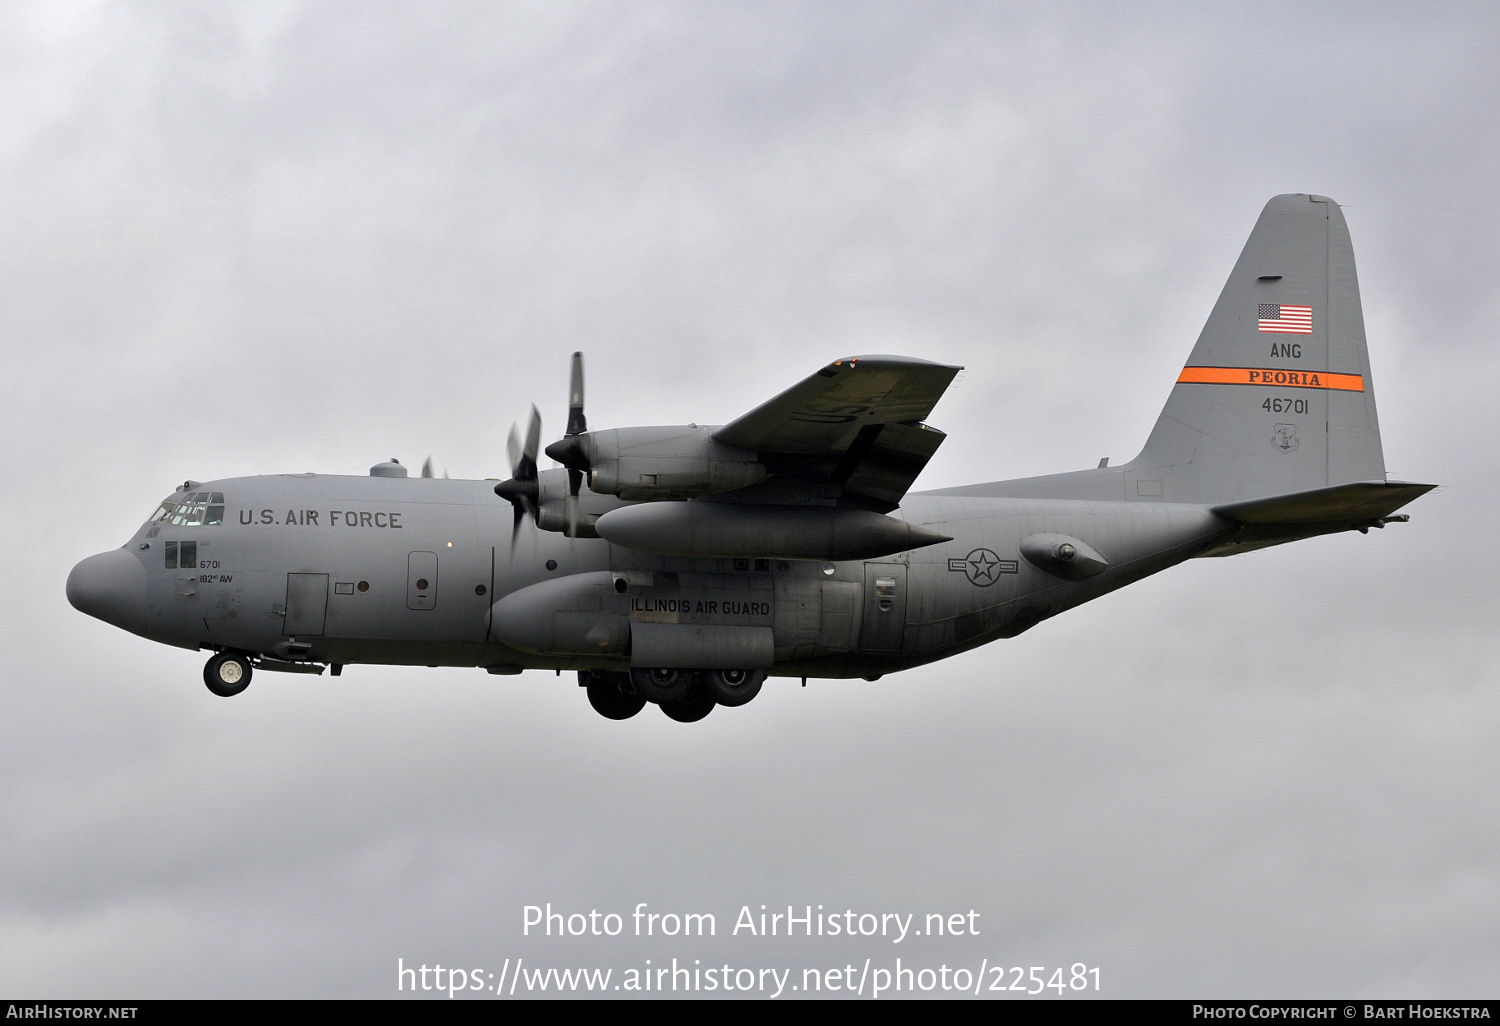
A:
(983, 567)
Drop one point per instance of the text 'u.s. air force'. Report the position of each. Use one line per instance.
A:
(319, 518)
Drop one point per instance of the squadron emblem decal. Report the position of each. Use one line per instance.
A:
(1284, 437)
(983, 567)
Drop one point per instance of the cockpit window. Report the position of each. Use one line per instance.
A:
(192, 510)
(188, 551)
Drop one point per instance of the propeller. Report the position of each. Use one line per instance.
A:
(427, 469)
(521, 490)
(569, 450)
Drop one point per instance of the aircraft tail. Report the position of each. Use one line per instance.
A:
(1276, 397)
(1272, 421)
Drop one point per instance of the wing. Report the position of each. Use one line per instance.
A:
(856, 424)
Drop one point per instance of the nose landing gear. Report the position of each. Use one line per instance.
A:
(227, 674)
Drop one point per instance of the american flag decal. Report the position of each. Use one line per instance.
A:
(1286, 320)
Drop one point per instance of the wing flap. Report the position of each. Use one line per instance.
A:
(884, 461)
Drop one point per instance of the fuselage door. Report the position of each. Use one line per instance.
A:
(306, 604)
(421, 580)
(885, 607)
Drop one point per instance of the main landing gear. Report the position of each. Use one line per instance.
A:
(684, 695)
(227, 674)
(733, 687)
(611, 694)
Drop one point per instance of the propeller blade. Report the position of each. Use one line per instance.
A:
(577, 423)
(427, 467)
(522, 490)
(513, 448)
(575, 478)
(533, 441)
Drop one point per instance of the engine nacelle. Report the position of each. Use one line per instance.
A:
(552, 505)
(667, 463)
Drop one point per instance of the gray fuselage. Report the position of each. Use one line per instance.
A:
(341, 569)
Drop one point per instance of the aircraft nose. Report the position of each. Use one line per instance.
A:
(110, 586)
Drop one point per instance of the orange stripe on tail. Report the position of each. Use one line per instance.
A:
(1272, 377)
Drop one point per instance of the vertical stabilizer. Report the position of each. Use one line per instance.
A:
(1276, 396)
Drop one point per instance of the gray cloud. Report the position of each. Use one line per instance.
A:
(310, 237)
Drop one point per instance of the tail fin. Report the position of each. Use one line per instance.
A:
(1276, 396)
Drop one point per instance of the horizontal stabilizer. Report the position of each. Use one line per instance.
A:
(1360, 500)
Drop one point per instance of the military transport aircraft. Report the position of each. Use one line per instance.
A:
(699, 560)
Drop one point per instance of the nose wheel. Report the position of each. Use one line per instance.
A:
(227, 674)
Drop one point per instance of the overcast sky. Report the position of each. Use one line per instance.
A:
(275, 237)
